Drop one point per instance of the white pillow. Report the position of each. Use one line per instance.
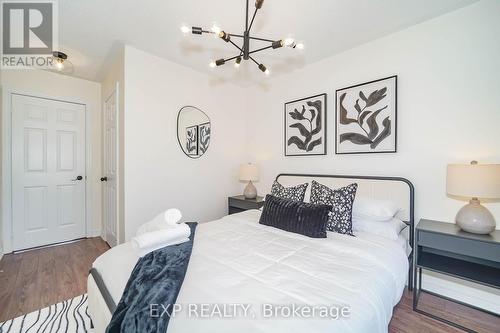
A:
(373, 209)
(388, 229)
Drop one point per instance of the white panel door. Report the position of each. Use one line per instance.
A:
(48, 171)
(110, 167)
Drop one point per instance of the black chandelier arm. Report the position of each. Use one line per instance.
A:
(261, 49)
(236, 35)
(262, 39)
(258, 64)
(239, 36)
(239, 48)
(232, 58)
(253, 18)
(254, 38)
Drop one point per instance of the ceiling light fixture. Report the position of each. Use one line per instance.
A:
(59, 57)
(244, 50)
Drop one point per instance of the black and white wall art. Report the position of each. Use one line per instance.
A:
(192, 140)
(365, 119)
(194, 131)
(305, 126)
(204, 137)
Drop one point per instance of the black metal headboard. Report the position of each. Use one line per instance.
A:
(411, 213)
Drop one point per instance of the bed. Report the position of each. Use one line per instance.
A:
(237, 261)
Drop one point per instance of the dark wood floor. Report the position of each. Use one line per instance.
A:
(35, 279)
(38, 278)
(406, 320)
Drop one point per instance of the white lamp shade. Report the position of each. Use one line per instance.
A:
(474, 180)
(249, 172)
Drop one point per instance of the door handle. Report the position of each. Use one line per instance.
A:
(104, 179)
(77, 178)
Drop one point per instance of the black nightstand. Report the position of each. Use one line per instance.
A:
(239, 204)
(444, 248)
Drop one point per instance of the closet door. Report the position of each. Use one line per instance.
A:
(48, 171)
(110, 169)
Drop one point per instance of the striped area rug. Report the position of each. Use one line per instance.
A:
(67, 316)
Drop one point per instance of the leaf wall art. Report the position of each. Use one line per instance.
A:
(305, 126)
(366, 117)
(204, 137)
(192, 140)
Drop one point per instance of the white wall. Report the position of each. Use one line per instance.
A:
(448, 107)
(48, 84)
(157, 173)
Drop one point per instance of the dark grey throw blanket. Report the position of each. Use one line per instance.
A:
(156, 279)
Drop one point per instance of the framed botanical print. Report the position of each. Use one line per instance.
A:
(366, 117)
(192, 140)
(203, 137)
(305, 126)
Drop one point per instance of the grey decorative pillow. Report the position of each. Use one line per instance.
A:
(295, 193)
(341, 201)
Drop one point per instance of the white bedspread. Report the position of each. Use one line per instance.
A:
(236, 260)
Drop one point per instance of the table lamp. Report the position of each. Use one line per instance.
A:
(474, 181)
(249, 173)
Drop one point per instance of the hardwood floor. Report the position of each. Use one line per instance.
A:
(38, 278)
(35, 279)
(405, 320)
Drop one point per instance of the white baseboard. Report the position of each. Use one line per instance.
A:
(471, 293)
(95, 233)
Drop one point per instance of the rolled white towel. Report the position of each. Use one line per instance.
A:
(141, 252)
(165, 220)
(154, 240)
(172, 216)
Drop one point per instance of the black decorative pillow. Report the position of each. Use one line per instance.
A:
(341, 201)
(296, 193)
(298, 217)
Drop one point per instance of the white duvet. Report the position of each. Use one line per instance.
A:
(235, 260)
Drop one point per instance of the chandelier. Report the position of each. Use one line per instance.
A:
(244, 50)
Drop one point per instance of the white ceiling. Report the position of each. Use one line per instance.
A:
(91, 30)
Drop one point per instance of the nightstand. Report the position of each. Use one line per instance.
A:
(239, 204)
(444, 248)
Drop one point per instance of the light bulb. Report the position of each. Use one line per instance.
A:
(289, 42)
(216, 29)
(212, 64)
(185, 29)
(267, 72)
(238, 62)
(300, 46)
(59, 65)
